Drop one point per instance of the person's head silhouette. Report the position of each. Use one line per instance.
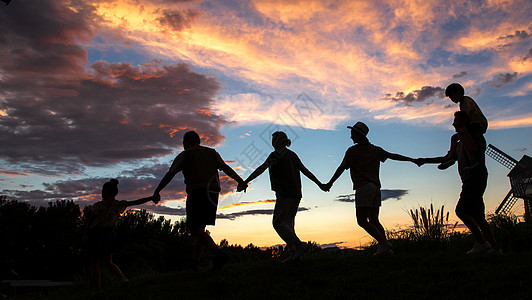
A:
(461, 119)
(190, 139)
(110, 189)
(359, 132)
(280, 140)
(455, 92)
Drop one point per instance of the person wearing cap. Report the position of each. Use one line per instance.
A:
(285, 167)
(363, 160)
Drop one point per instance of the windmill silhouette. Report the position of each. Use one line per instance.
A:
(520, 181)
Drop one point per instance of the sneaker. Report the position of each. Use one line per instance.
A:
(480, 248)
(299, 251)
(446, 164)
(220, 259)
(384, 248)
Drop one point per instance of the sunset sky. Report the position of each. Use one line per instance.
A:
(92, 90)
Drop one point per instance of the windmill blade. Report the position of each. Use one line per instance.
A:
(500, 157)
(507, 204)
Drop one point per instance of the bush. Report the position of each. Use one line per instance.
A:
(511, 234)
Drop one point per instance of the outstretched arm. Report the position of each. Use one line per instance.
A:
(231, 173)
(399, 157)
(162, 184)
(139, 201)
(431, 160)
(311, 176)
(258, 171)
(335, 176)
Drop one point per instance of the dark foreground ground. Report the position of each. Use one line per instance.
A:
(445, 274)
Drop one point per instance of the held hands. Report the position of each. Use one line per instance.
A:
(326, 187)
(419, 161)
(156, 198)
(242, 187)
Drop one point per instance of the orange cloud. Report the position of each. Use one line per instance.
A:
(246, 203)
(12, 174)
(525, 121)
(338, 51)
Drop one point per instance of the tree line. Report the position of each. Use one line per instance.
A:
(49, 242)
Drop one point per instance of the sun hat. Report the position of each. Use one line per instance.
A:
(360, 128)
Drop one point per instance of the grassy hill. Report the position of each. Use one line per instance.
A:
(429, 263)
(436, 274)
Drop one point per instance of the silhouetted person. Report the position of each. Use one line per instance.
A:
(285, 167)
(200, 167)
(103, 219)
(363, 159)
(470, 207)
(472, 137)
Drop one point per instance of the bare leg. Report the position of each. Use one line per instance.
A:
(114, 268)
(374, 219)
(203, 239)
(472, 225)
(487, 232)
(363, 215)
(198, 250)
(96, 275)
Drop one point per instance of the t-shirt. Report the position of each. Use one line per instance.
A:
(364, 160)
(107, 213)
(464, 165)
(476, 116)
(200, 168)
(284, 169)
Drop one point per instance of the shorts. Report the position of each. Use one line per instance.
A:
(471, 200)
(201, 208)
(368, 195)
(101, 241)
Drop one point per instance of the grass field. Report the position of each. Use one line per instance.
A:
(418, 274)
(429, 263)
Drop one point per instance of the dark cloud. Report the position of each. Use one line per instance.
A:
(331, 245)
(177, 20)
(519, 34)
(60, 115)
(529, 55)
(133, 184)
(346, 198)
(165, 210)
(460, 75)
(421, 95)
(393, 194)
(252, 212)
(503, 79)
(385, 195)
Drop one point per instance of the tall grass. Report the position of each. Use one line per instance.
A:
(430, 231)
(430, 224)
